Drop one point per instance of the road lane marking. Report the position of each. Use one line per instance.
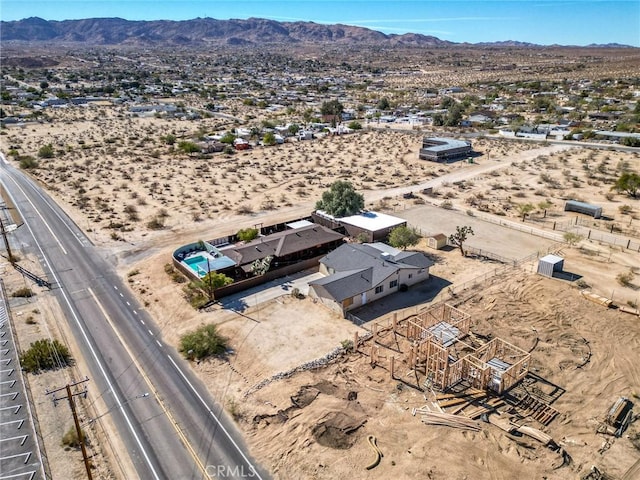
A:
(152, 388)
(39, 214)
(184, 377)
(159, 344)
(150, 332)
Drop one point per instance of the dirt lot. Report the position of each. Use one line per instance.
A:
(311, 442)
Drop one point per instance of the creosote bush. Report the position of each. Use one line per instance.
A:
(203, 342)
(45, 355)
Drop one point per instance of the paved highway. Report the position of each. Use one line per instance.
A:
(178, 431)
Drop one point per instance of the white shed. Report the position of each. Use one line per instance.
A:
(549, 264)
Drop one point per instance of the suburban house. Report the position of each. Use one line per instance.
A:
(366, 226)
(357, 274)
(286, 247)
(289, 250)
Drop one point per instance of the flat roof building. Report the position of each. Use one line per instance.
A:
(440, 149)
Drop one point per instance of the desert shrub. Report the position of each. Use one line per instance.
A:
(44, 355)
(625, 279)
(28, 162)
(24, 292)
(247, 234)
(156, 223)
(244, 210)
(625, 209)
(46, 151)
(296, 293)
(203, 342)
(70, 438)
(195, 296)
(447, 205)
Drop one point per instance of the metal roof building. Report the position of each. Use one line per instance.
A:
(439, 149)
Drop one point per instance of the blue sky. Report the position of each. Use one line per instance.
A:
(567, 22)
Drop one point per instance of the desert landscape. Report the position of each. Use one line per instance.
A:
(310, 403)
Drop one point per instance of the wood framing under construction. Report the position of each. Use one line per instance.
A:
(440, 348)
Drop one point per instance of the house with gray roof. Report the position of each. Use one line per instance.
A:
(357, 274)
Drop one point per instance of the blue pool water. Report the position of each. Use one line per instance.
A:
(199, 265)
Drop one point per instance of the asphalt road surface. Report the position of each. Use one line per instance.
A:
(177, 431)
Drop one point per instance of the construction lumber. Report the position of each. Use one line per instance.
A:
(489, 406)
(448, 420)
(592, 297)
(502, 423)
(535, 433)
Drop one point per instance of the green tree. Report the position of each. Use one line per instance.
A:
(228, 138)
(341, 200)
(461, 235)
(269, 139)
(203, 342)
(46, 151)
(212, 281)
(293, 128)
(247, 234)
(525, 209)
(403, 237)
(383, 104)
(44, 355)
(355, 125)
(333, 108)
(188, 147)
(628, 183)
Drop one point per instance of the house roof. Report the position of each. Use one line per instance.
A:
(360, 267)
(281, 244)
(346, 284)
(371, 221)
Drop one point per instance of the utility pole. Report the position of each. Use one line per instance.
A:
(72, 404)
(6, 242)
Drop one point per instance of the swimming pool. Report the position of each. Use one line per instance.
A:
(199, 264)
(205, 262)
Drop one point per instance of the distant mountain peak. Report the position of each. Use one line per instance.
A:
(207, 31)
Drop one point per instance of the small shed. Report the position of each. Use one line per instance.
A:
(582, 207)
(437, 241)
(549, 264)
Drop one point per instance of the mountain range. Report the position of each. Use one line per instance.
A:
(209, 31)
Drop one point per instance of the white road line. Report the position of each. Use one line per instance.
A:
(39, 214)
(142, 322)
(159, 344)
(152, 388)
(134, 312)
(150, 332)
(175, 365)
(115, 287)
(93, 353)
(122, 295)
(128, 304)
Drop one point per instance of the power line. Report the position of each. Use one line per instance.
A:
(72, 403)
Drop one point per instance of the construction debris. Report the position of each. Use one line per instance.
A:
(618, 417)
(449, 420)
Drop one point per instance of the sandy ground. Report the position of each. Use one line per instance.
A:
(122, 176)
